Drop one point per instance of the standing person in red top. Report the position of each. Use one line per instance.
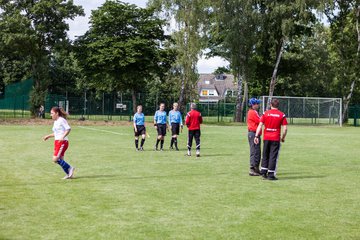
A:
(193, 121)
(253, 120)
(273, 119)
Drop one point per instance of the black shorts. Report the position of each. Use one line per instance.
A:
(175, 128)
(161, 129)
(140, 130)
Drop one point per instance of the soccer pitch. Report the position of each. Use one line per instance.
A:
(119, 193)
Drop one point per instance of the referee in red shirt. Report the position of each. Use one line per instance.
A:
(193, 120)
(273, 119)
(253, 120)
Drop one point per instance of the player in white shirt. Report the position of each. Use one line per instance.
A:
(61, 130)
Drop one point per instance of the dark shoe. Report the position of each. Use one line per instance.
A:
(264, 176)
(171, 148)
(177, 149)
(253, 173)
(272, 178)
(257, 170)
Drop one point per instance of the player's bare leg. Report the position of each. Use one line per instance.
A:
(142, 142)
(137, 143)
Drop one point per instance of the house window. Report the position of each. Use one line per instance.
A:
(211, 93)
(207, 82)
(204, 92)
(220, 77)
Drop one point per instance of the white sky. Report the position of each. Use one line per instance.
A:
(81, 24)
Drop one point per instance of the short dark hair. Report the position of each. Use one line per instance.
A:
(275, 103)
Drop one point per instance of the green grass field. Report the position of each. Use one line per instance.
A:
(122, 194)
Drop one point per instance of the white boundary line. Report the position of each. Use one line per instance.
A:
(100, 130)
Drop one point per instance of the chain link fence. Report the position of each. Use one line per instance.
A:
(354, 115)
(309, 110)
(216, 112)
(91, 107)
(118, 107)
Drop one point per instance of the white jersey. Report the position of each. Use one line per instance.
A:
(60, 127)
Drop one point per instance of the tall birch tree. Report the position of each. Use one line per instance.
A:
(188, 18)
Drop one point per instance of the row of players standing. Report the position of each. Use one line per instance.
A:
(193, 120)
(272, 119)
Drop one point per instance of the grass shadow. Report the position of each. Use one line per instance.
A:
(95, 176)
(292, 173)
(104, 177)
(301, 177)
(216, 155)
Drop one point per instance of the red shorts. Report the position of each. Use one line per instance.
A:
(60, 148)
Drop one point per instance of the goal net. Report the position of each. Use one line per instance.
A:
(309, 110)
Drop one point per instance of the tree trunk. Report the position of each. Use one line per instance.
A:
(245, 99)
(358, 30)
(238, 114)
(133, 96)
(39, 91)
(274, 75)
(181, 102)
(346, 100)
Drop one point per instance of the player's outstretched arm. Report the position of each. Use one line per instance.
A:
(48, 136)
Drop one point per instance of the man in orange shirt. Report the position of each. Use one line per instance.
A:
(253, 120)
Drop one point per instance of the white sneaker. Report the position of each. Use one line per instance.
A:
(197, 153)
(66, 177)
(71, 172)
(188, 153)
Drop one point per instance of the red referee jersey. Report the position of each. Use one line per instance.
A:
(193, 120)
(253, 120)
(273, 120)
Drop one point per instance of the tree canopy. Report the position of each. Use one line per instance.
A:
(123, 48)
(274, 48)
(30, 32)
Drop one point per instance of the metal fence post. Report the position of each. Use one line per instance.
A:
(23, 106)
(14, 107)
(218, 112)
(84, 107)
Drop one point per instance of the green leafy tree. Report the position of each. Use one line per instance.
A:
(30, 30)
(191, 23)
(233, 37)
(65, 73)
(123, 49)
(344, 17)
(282, 21)
(13, 68)
(305, 68)
(221, 70)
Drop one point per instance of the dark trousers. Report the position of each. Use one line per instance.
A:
(270, 157)
(255, 151)
(191, 135)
